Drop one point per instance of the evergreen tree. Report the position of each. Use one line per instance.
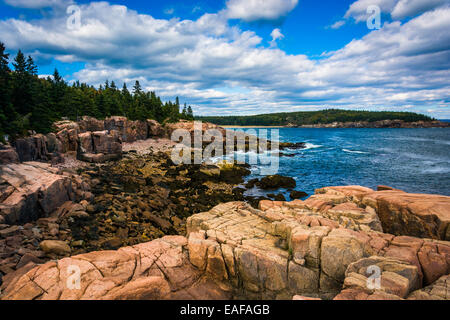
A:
(7, 112)
(31, 68)
(27, 102)
(19, 64)
(22, 83)
(190, 113)
(137, 90)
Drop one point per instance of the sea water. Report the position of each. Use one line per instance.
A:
(414, 160)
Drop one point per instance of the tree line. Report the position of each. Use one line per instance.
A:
(28, 102)
(314, 117)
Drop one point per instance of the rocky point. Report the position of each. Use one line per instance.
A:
(138, 226)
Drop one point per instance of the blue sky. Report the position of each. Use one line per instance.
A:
(247, 56)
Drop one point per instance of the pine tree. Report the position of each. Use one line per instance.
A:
(31, 68)
(27, 102)
(22, 85)
(190, 113)
(7, 112)
(184, 113)
(137, 90)
(19, 64)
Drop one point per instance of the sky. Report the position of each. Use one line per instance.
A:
(243, 57)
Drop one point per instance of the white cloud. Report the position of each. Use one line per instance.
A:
(38, 4)
(255, 10)
(276, 35)
(358, 9)
(398, 9)
(410, 8)
(338, 24)
(169, 11)
(221, 69)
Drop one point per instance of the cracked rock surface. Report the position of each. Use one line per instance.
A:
(328, 246)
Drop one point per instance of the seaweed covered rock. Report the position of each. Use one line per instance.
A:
(276, 181)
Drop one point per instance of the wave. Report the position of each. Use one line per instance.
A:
(311, 146)
(437, 170)
(354, 151)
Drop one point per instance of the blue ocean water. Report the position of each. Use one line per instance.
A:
(414, 160)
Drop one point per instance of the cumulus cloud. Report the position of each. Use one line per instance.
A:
(410, 8)
(219, 68)
(38, 4)
(398, 9)
(276, 35)
(257, 10)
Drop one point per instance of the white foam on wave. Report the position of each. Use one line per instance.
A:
(311, 146)
(435, 170)
(354, 151)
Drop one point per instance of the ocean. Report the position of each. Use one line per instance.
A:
(414, 160)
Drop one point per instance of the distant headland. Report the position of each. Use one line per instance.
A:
(331, 118)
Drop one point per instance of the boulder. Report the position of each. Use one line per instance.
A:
(56, 247)
(154, 129)
(33, 190)
(69, 139)
(351, 193)
(31, 148)
(128, 130)
(66, 124)
(8, 155)
(54, 145)
(418, 215)
(382, 274)
(107, 143)
(386, 188)
(91, 124)
(86, 142)
(297, 194)
(434, 259)
(276, 181)
(439, 290)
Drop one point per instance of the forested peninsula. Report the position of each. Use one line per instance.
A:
(326, 118)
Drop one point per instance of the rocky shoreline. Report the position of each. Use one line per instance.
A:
(317, 248)
(378, 124)
(139, 226)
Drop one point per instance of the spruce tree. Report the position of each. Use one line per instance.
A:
(190, 113)
(137, 88)
(7, 112)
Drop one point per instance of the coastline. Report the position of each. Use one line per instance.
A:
(400, 124)
(253, 127)
(131, 208)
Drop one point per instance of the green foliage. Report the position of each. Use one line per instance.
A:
(30, 103)
(315, 117)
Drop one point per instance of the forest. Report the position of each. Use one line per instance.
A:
(28, 102)
(314, 117)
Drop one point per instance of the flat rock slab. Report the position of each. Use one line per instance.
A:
(400, 213)
(33, 189)
(159, 269)
(282, 250)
